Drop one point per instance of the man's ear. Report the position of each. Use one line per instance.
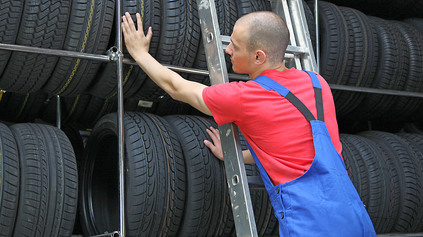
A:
(260, 57)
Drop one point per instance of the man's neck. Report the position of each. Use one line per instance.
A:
(279, 67)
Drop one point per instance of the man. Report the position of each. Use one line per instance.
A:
(285, 136)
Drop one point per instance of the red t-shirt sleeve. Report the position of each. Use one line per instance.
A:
(223, 101)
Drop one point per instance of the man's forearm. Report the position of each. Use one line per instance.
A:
(248, 158)
(161, 75)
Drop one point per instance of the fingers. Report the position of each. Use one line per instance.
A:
(139, 22)
(214, 134)
(130, 22)
(149, 34)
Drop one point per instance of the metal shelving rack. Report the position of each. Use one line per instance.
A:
(236, 176)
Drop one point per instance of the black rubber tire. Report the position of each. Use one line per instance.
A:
(44, 25)
(153, 177)
(405, 108)
(391, 73)
(95, 109)
(10, 179)
(177, 177)
(71, 109)
(415, 141)
(334, 43)
(247, 6)
(10, 18)
(49, 181)
(416, 22)
(379, 191)
(356, 168)
(75, 138)
(171, 38)
(387, 9)
(105, 85)
(409, 178)
(206, 188)
(364, 50)
(21, 108)
(89, 30)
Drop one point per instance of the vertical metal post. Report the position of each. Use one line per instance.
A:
(120, 118)
(58, 113)
(234, 162)
(316, 18)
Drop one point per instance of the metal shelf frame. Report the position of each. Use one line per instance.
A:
(114, 54)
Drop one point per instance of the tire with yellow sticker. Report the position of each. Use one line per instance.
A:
(43, 24)
(89, 30)
(10, 17)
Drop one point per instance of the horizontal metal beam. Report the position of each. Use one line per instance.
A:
(55, 52)
(232, 76)
(376, 91)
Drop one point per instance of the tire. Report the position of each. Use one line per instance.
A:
(405, 108)
(206, 189)
(415, 142)
(379, 189)
(356, 168)
(10, 179)
(364, 57)
(105, 86)
(409, 179)
(391, 73)
(227, 14)
(151, 197)
(89, 30)
(171, 38)
(75, 138)
(335, 44)
(416, 22)
(95, 109)
(43, 25)
(10, 17)
(71, 109)
(49, 181)
(247, 6)
(21, 108)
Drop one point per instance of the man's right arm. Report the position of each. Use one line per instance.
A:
(171, 82)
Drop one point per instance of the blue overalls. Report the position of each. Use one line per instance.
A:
(323, 201)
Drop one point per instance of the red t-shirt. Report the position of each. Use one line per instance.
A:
(276, 130)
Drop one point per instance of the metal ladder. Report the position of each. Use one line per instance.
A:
(299, 53)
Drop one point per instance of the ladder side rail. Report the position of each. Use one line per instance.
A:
(280, 7)
(234, 161)
(302, 34)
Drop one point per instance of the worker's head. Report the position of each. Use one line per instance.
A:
(258, 38)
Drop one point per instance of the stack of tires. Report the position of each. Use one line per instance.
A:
(366, 51)
(38, 181)
(386, 170)
(174, 186)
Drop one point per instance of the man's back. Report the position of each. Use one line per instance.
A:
(273, 126)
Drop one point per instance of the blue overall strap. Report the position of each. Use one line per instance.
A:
(270, 84)
(266, 179)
